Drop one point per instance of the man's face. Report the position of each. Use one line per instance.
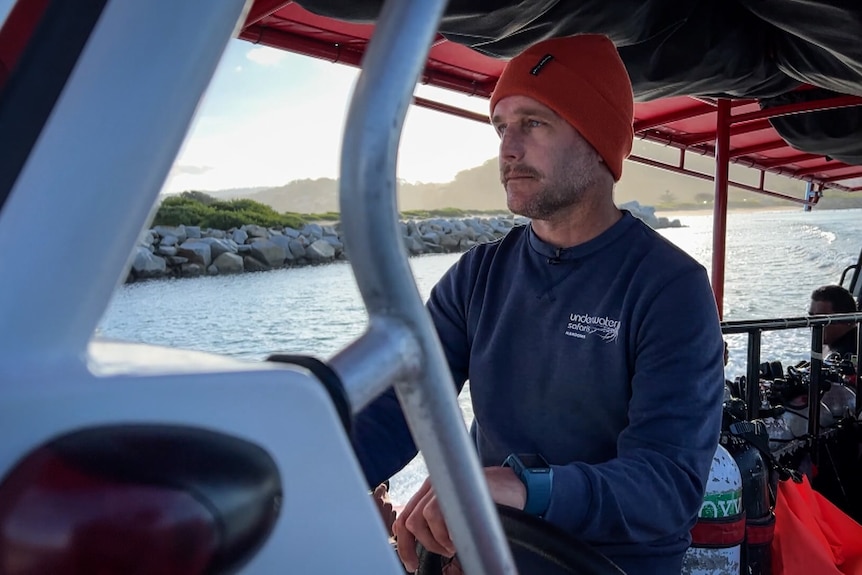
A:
(545, 164)
(831, 333)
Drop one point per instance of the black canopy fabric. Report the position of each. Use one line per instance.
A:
(739, 48)
(761, 49)
(832, 133)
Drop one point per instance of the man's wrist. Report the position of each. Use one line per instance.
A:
(537, 477)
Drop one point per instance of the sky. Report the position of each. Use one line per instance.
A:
(270, 117)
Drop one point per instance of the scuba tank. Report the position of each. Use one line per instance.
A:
(748, 442)
(791, 392)
(797, 418)
(840, 400)
(779, 432)
(744, 441)
(716, 538)
(839, 397)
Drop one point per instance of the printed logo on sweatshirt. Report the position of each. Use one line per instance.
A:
(585, 325)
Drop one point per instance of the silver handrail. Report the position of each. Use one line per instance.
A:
(400, 346)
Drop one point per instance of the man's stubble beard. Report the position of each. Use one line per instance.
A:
(565, 190)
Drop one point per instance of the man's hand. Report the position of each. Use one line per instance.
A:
(384, 506)
(422, 518)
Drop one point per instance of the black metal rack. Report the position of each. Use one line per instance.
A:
(754, 329)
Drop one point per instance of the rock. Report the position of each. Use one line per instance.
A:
(312, 231)
(644, 213)
(219, 246)
(431, 238)
(413, 230)
(147, 239)
(178, 232)
(253, 265)
(188, 251)
(169, 240)
(192, 270)
(239, 236)
(213, 233)
(229, 263)
(335, 243)
(254, 231)
(282, 241)
(297, 247)
(414, 245)
(320, 251)
(146, 265)
(268, 252)
(450, 242)
(198, 251)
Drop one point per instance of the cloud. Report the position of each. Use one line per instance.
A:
(189, 170)
(265, 56)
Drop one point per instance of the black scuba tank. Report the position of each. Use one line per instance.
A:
(739, 438)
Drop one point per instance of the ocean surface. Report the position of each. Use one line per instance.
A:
(774, 260)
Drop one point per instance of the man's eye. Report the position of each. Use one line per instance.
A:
(533, 123)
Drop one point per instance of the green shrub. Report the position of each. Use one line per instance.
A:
(291, 220)
(199, 209)
(325, 216)
(176, 214)
(224, 220)
(449, 213)
(201, 197)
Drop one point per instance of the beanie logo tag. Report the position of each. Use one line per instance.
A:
(538, 67)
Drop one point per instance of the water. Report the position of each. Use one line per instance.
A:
(774, 261)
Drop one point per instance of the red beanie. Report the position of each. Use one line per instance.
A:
(583, 79)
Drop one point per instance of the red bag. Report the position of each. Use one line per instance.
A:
(812, 536)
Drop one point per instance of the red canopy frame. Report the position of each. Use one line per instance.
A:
(690, 124)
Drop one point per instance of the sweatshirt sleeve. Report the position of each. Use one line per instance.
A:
(381, 438)
(654, 487)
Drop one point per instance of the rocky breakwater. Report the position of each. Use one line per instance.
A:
(647, 214)
(189, 251)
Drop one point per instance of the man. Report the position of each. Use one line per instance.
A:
(841, 337)
(590, 342)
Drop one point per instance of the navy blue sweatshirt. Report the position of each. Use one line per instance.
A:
(606, 358)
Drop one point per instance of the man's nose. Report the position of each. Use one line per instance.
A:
(512, 144)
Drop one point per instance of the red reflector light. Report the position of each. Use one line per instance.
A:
(59, 520)
(137, 500)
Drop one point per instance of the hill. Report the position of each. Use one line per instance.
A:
(479, 188)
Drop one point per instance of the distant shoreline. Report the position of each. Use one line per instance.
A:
(709, 211)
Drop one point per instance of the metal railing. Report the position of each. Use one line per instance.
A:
(400, 347)
(755, 328)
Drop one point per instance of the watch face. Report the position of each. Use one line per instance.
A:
(533, 461)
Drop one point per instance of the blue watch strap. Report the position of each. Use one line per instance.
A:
(537, 480)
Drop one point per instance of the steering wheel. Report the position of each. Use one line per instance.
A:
(537, 547)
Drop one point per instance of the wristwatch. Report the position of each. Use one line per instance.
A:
(537, 476)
